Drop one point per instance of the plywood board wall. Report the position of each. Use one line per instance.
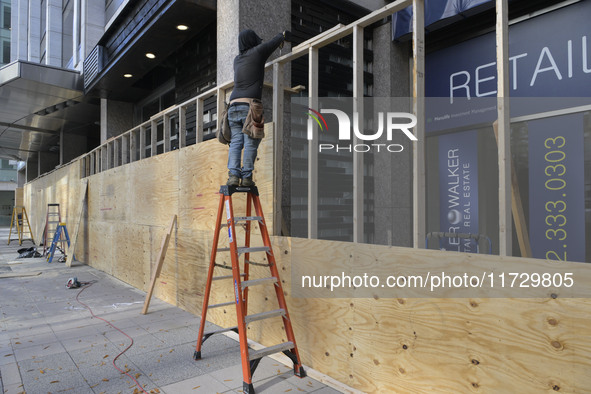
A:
(406, 345)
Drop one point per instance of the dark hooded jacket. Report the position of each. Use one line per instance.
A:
(249, 65)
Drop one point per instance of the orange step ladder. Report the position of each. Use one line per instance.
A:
(250, 358)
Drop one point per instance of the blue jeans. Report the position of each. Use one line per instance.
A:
(236, 116)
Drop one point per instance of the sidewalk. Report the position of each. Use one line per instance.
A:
(49, 343)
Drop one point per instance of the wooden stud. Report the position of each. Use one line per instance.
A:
(74, 235)
(221, 102)
(105, 159)
(132, 145)
(166, 125)
(504, 127)
(125, 139)
(153, 138)
(312, 145)
(143, 146)
(278, 97)
(517, 208)
(117, 152)
(358, 179)
(109, 153)
(199, 120)
(159, 262)
(418, 157)
(182, 127)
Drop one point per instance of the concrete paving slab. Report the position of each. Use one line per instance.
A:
(64, 381)
(10, 374)
(198, 385)
(169, 365)
(47, 365)
(37, 351)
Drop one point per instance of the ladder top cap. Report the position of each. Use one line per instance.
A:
(229, 190)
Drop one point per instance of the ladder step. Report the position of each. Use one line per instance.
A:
(221, 305)
(246, 218)
(253, 355)
(225, 276)
(257, 264)
(261, 281)
(219, 331)
(244, 249)
(243, 219)
(264, 315)
(253, 250)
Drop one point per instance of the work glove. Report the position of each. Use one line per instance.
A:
(287, 36)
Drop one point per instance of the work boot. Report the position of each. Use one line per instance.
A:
(247, 182)
(233, 180)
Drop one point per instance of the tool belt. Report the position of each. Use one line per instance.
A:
(254, 125)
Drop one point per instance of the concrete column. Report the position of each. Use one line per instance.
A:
(392, 171)
(228, 17)
(53, 37)
(34, 31)
(234, 16)
(20, 27)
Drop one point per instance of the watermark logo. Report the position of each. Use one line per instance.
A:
(390, 122)
(315, 116)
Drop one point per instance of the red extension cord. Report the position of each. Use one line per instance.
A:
(86, 286)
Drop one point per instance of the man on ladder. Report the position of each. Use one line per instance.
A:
(245, 120)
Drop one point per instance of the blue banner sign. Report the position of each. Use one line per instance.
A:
(458, 188)
(556, 188)
(549, 56)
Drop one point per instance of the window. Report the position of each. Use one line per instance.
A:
(6, 16)
(42, 30)
(5, 52)
(68, 31)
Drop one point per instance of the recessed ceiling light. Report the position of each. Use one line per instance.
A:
(150, 55)
(182, 27)
(127, 75)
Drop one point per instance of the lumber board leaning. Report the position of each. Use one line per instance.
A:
(161, 256)
(84, 188)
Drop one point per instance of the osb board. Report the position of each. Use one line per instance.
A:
(131, 263)
(154, 192)
(110, 196)
(55, 188)
(202, 168)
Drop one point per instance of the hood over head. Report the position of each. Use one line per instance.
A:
(248, 39)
